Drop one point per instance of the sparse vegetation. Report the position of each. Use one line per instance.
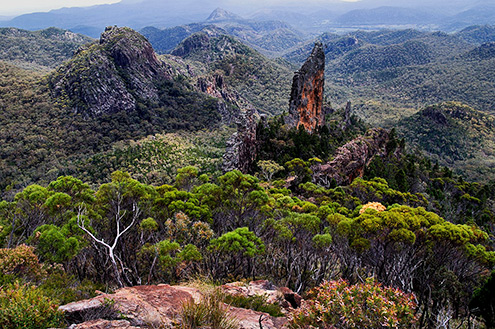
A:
(209, 312)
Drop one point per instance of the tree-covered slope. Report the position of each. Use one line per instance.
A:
(454, 135)
(391, 74)
(43, 49)
(116, 90)
(263, 82)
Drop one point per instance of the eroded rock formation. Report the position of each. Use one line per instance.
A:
(229, 100)
(351, 159)
(306, 97)
(110, 76)
(241, 147)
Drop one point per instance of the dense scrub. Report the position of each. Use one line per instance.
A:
(42, 140)
(128, 233)
(43, 49)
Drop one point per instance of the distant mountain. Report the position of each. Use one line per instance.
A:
(387, 16)
(268, 37)
(481, 14)
(136, 15)
(219, 15)
(455, 135)
(44, 49)
(308, 17)
(279, 14)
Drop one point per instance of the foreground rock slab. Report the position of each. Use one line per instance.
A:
(154, 306)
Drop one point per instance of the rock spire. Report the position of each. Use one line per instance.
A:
(306, 97)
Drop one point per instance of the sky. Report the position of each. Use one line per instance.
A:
(17, 7)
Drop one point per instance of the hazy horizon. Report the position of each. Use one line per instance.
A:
(21, 7)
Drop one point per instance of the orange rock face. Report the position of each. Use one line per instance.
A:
(311, 107)
(306, 99)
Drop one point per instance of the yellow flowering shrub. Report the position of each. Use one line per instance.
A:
(373, 205)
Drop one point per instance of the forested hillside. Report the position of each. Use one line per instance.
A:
(407, 70)
(43, 49)
(263, 82)
(51, 124)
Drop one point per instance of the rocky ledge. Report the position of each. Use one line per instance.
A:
(158, 306)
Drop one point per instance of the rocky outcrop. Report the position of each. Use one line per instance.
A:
(140, 305)
(229, 101)
(241, 148)
(283, 296)
(346, 123)
(306, 97)
(110, 76)
(152, 307)
(351, 159)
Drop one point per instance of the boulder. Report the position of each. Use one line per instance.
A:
(140, 305)
(285, 297)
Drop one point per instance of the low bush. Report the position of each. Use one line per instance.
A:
(25, 307)
(256, 303)
(336, 304)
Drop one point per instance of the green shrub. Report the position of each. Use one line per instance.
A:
(65, 288)
(25, 307)
(336, 304)
(256, 303)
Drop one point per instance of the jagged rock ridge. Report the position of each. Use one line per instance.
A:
(351, 159)
(229, 101)
(306, 97)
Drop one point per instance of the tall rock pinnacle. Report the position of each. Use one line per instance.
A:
(306, 97)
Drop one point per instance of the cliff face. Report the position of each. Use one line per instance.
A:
(110, 76)
(351, 159)
(306, 97)
(229, 101)
(242, 146)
